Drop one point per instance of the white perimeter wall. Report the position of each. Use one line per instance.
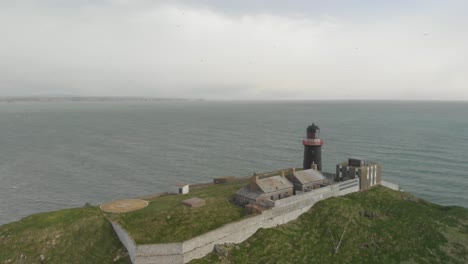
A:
(390, 185)
(284, 211)
(126, 240)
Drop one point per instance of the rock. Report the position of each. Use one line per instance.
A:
(369, 214)
(223, 250)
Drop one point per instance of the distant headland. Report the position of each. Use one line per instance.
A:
(59, 99)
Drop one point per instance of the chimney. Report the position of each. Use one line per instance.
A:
(314, 166)
(282, 174)
(253, 183)
(291, 171)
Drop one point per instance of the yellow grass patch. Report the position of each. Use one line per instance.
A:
(124, 206)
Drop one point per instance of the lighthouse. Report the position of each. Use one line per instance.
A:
(312, 148)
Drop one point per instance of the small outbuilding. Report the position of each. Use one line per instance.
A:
(260, 190)
(180, 189)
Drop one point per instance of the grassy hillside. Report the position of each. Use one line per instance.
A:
(83, 235)
(80, 235)
(376, 226)
(166, 220)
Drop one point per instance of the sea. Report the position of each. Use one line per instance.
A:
(56, 155)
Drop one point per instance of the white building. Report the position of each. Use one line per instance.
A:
(180, 189)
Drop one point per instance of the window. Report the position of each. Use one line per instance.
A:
(279, 196)
(272, 198)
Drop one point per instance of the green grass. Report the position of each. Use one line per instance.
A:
(80, 235)
(375, 226)
(166, 220)
(382, 226)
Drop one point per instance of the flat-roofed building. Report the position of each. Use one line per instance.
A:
(369, 173)
(180, 188)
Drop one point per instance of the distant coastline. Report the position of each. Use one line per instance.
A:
(60, 99)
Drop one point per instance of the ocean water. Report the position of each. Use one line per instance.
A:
(61, 155)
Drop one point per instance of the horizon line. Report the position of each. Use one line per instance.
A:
(220, 99)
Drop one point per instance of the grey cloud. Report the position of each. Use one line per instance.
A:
(188, 49)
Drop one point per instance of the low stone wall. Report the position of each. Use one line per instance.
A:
(126, 240)
(284, 211)
(390, 185)
(160, 253)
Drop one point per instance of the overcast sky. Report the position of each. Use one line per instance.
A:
(235, 49)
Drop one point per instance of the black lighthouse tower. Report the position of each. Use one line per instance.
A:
(312, 148)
